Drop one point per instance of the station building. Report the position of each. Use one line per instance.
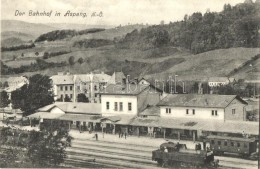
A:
(139, 110)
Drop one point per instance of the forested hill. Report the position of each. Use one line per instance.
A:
(62, 34)
(236, 26)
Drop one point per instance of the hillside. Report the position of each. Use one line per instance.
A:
(13, 41)
(235, 26)
(33, 29)
(11, 34)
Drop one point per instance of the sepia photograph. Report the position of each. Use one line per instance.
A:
(142, 84)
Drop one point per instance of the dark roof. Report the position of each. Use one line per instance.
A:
(199, 100)
(151, 111)
(80, 117)
(231, 138)
(128, 89)
(117, 77)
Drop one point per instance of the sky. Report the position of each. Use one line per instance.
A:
(114, 12)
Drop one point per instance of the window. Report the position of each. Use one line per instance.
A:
(193, 111)
(225, 143)
(214, 113)
(238, 144)
(187, 111)
(121, 106)
(61, 87)
(233, 111)
(115, 106)
(71, 87)
(232, 144)
(95, 87)
(212, 142)
(219, 143)
(66, 88)
(129, 106)
(61, 97)
(107, 105)
(71, 96)
(168, 110)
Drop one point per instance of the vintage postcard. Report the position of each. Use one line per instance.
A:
(130, 84)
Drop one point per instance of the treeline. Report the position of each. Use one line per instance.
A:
(62, 34)
(38, 65)
(19, 47)
(235, 26)
(92, 43)
(47, 55)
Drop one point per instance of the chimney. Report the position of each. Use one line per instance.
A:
(127, 79)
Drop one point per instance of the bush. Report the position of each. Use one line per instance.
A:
(71, 60)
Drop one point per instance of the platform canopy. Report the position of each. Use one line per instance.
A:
(45, 115)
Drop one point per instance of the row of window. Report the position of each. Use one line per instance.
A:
(226, 143)
(193, 111)
(120, 106)
(66, 88)
(66, 95)
(213, 112)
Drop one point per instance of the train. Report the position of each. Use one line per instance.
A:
(175, 154)
(244, 147)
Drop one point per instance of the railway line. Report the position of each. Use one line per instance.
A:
(122, 155)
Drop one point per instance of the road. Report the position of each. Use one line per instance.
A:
(125, 155)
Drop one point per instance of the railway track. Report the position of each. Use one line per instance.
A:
(122, 155)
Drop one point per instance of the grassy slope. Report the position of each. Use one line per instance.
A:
(32, 29)
(12, 34)
(145, 63)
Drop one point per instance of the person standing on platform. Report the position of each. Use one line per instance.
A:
(125, 135)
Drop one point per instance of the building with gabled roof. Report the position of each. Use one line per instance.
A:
(207, 106)
(127, 99)
(220, 81)
(67, 85)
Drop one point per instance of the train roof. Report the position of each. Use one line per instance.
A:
(232, 138)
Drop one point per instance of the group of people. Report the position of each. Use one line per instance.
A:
(122, 134)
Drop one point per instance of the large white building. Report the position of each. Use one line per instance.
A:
(207, 106)
(127, 99)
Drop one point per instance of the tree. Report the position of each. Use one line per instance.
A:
(82, 98)
(71, 60)
(5, 84)
(14, 57)
(34, 95)
(80, 60)
(67, 99)
(4, 100)
(45, 55)
(47, 148)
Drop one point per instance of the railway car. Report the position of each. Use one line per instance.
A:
(171, 154)
(245, 147)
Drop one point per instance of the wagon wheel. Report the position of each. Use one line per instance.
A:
(160, 162)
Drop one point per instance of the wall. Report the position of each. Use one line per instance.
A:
(239, 115)
(200, 113)
(64, 92)
(118, 98)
